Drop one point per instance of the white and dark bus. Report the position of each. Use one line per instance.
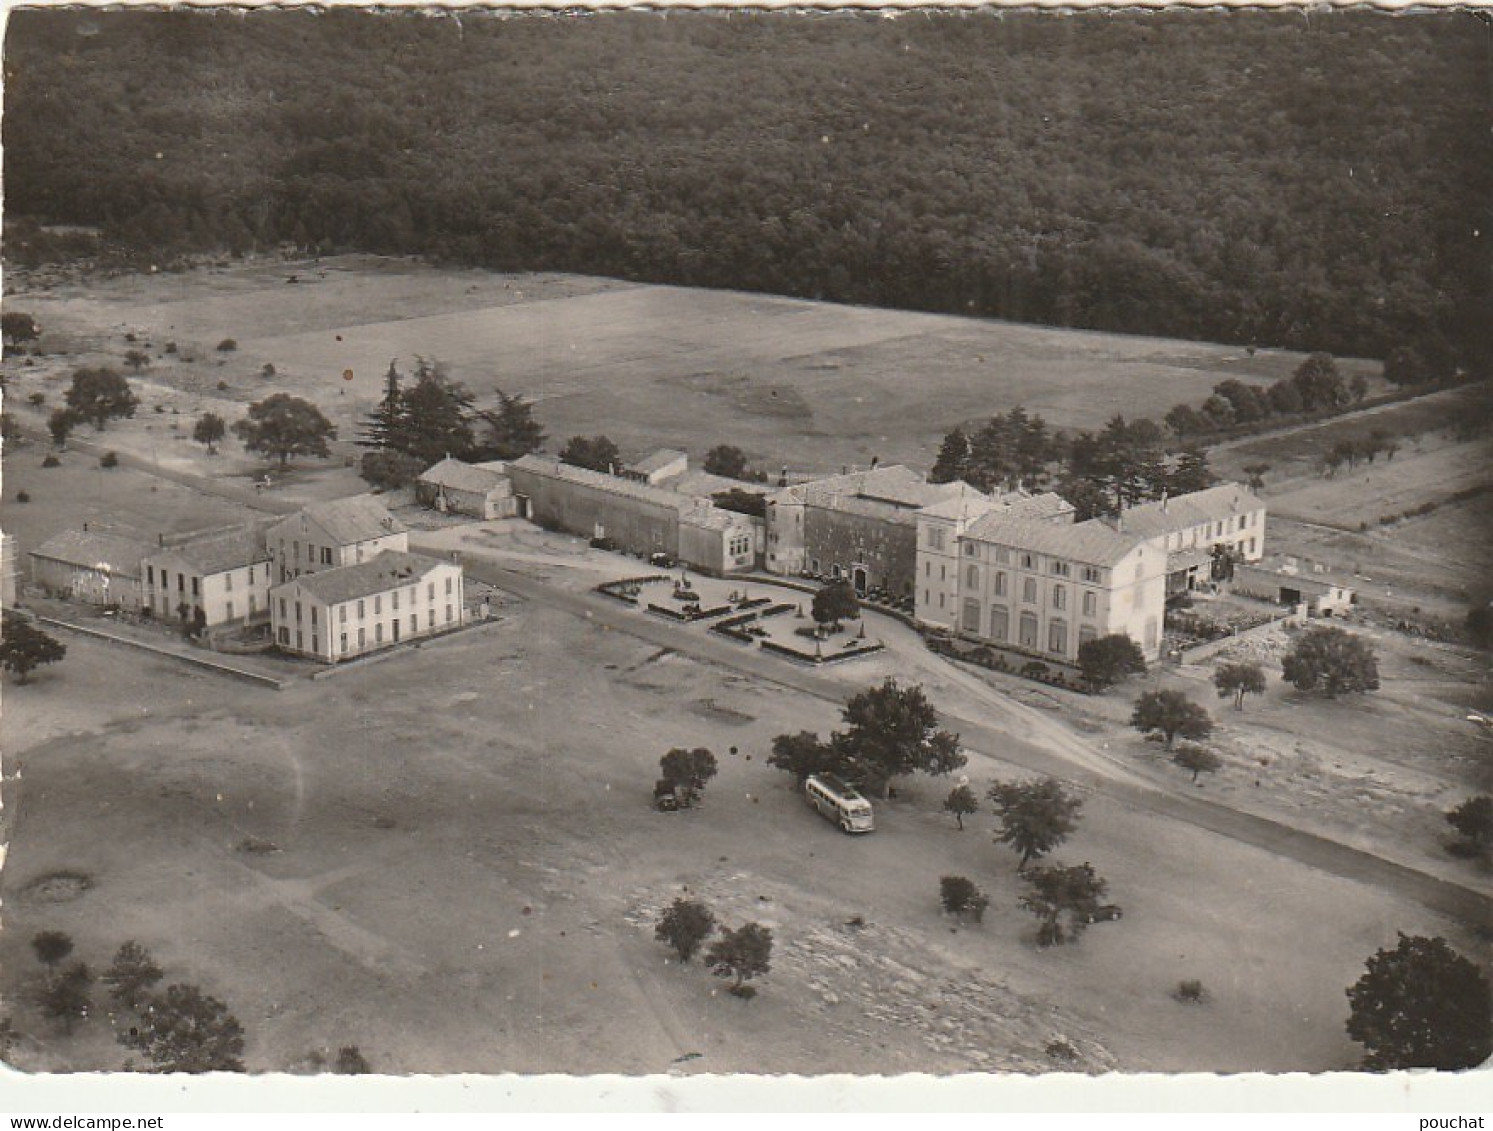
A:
(840, 802)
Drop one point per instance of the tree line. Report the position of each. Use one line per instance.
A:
(1309, 183)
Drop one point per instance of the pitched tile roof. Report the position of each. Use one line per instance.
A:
(657, 461)
(551, 468)
(90, 548)
(459, 476)
(358, 518)
(1091, 542)
(1186, 511)
(216, 553)
(389, 570)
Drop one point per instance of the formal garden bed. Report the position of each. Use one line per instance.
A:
(1009, 660)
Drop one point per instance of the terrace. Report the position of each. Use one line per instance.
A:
(751, 613)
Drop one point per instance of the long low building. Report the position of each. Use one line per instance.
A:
(91, 567)
(349, 611)
(637, 517)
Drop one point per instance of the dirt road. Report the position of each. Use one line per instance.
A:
(1078, 763)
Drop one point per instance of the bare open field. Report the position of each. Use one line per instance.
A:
(300, 854)
(810, 384)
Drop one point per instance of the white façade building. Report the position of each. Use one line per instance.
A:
(349, 611)
(1188, 528)
(339, 532)
(1044, 586)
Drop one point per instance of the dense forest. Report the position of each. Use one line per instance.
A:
(1321, 181)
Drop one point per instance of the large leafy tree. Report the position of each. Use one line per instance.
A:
(1237, 680)
(209, 430)
(743, 954)
(1474, 820)
(1106, 660)
(597, 453)
(1035, 816)
(804, 754)
(24, 647)
(1331, 661)
(17, 327)
(684, 925)
(101, 395)
(688, 770)
(185, 1030)
(1171, 713)
(835, 601)
(1065, 899)
(282, 426)
(1421, 1005)
(731, 462)
(1319, 383)
(893, 731)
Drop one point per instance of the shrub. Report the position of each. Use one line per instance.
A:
(684, 925)
(1190, 991)
(351, 1062)
(962, 898)
(227, 345)
(222, 386)
(51, 461)
(36, 400)
(51, 947)
(109, 459)
(23, 497)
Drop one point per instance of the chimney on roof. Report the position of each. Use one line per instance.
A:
(783, 476)
(160, 538)
(874, 461)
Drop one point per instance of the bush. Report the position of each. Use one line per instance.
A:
(23, 497)
(962, 898)
(51, 461)
(351, 1062)
(227, 345)
(222, 386)
(1190, 991)
(109, 459)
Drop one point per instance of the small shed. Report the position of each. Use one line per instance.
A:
(461, 488)
(90, 567)
(662, 464)
(1293, 583)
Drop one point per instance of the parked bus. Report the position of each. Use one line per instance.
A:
(840, 802)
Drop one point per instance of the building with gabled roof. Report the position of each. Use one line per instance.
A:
(860, 525)
(349, 611)
(1043, 587)
(635, 516)
(454, 487)
(1190, 528)
(338, 532)
(90, 566)
(666, 463)
(224, 575)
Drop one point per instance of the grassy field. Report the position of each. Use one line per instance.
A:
(299, 855)
(810, 384)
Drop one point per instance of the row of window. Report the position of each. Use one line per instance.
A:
(362, 603)
(1055, 566)
(1027, 628)
(343, 639)
(740, 546)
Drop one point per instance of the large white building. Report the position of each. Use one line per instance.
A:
(226, 575)
(1188, 528)
(348, 611)
(1021, 573)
